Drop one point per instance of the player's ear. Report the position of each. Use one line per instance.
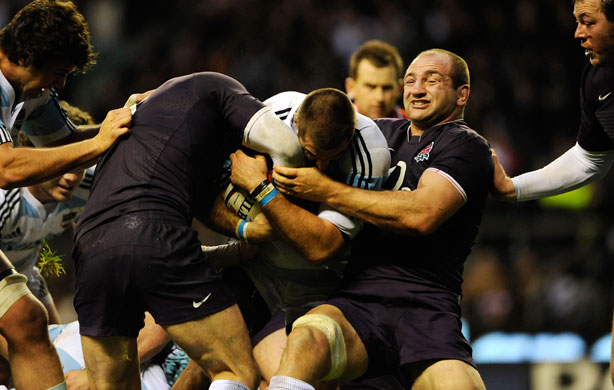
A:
(349, 86)
(296, 121)
(462, 95)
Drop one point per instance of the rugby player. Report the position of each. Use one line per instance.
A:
(592, 156)
(398, 310)
(134, 248)
(40, 46)
(305, 266)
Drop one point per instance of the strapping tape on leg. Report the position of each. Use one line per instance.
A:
(332, 330)
(12, 288)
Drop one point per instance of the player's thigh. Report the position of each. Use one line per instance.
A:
(357, 358)
(268, 353)
(111, 359)
(217, 342)
(449, 374)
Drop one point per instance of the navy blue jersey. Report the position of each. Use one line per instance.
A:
(421, 263)
(169, 161)
(597, 102)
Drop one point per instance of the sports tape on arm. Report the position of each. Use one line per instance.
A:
(266, 133)
(572, 170)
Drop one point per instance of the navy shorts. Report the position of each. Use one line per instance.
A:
(277, 322)
(142, 262)
(399, 327)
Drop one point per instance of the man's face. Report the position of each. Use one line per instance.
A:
(429, 95)
(375, 90)
(33, 81)
(59, 189)
(322, 158)
(595, 32)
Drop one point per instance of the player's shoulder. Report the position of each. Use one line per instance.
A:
(285, 99)
(458, 136)
(369, 131)
(285, 104)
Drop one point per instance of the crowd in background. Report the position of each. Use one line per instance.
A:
(538, 266)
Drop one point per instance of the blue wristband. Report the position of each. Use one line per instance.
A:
(241, 229)
(268, 197)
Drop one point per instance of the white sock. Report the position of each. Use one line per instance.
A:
(61, 386)
(280, 382)
(225, 384)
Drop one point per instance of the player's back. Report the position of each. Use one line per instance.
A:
(180, 135)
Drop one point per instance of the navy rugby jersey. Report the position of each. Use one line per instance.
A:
(436, 261)
(179, 137)
(597, 102)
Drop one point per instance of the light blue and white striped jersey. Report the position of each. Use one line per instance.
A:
(25, 222)
(41, 118)
(283, 277)
(67, 342)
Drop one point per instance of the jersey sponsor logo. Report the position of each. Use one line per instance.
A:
(197, 304)
(603, 97)
(424, 153)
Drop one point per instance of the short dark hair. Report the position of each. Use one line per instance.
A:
(380, 54)
(607, 7)
(48, 31)
(328, 116)
(460, 70)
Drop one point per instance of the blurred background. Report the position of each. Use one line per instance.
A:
(538, 285)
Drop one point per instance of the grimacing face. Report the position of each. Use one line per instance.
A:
(59, 189)
(429, 95)
(375, 90)
(595, 32)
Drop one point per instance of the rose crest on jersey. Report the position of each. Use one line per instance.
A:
(424, 153)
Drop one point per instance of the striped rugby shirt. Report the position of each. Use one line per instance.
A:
(41, 118)
(25, 222)
(281, 273)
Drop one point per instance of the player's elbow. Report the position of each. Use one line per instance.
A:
(419, 225)
(319, 256)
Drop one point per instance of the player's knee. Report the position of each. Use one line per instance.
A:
(25, 322)
(324, 330)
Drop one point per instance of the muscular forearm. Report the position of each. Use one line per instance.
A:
(316, 239)
(417, 212)
(223, 220)
(20, 167)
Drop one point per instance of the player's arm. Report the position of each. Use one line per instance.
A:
(223, 220)
(21, 167)
(151, 339)
(417, 212)
(316, 239)
(575, 168)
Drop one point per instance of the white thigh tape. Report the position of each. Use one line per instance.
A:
(332, 330)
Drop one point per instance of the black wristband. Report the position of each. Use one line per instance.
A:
(259, 188)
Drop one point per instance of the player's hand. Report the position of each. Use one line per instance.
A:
(116, 124)
(77, 380)
(137, 97)
(305, 183)
(503, 187)
(247, 172)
